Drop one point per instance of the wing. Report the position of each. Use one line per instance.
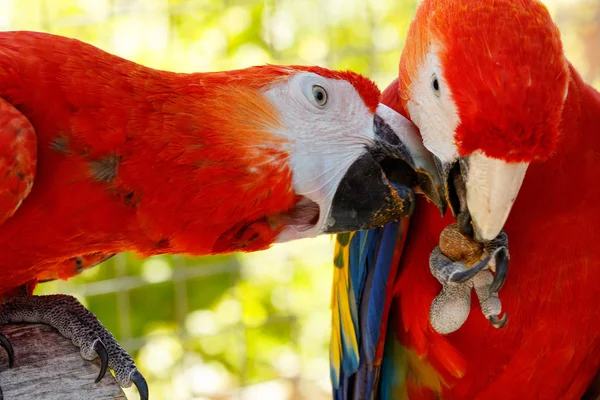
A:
(382, 345)
(73, 266)
(18, 157)
(366, 264)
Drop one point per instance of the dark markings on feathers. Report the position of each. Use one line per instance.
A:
(83, 263)
(78, 264)
(163, 243)
(105, 169)
(23, 290)
(73, 108)
(60, 144)
(129, 199)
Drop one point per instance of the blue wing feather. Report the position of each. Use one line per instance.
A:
(363, 263)
(378, 293)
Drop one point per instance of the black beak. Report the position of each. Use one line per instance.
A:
(380, 186)
(453, 178)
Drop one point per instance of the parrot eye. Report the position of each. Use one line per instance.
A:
(435, 85)
(320, 95)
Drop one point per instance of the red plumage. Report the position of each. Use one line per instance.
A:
(550, 348)
(135, 159)
(478, 48)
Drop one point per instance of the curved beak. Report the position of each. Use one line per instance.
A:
(380, 186)
(481, 192)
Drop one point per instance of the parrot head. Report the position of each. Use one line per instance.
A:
(485, 81)
(329, 157)
(215, 162)
(354, 162)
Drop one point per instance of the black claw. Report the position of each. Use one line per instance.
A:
(1, 394)
(501, 257)
(140, 383)
(464, 224)
(498, 322)
(100, 349)
(463, 276)
(4, 342)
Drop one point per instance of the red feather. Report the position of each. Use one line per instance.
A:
(478, 47)
(131, 158)
(550, 348)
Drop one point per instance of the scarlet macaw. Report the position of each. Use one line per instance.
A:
(493, 95)
(100, 155)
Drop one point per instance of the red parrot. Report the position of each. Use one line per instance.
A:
(516, 134)
(100, 155)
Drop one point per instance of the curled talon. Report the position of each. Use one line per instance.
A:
(498, 322)
(140, 383)
(463, 276)
(100, 349)
(457, 264)
(73, 320)
(501, 257)
(5, 343)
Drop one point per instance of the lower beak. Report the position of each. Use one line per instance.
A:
(481, 192)
(380, 186)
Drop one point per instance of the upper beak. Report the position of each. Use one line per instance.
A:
(380, 186)
(481, 192)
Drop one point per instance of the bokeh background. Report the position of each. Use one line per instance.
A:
(245, 326)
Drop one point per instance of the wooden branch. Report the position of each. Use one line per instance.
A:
(49, 366)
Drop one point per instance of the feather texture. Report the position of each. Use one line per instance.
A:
(365, 268)
(550, 347)
(128, 158)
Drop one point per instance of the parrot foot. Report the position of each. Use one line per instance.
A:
(450, 309)
(74, 321)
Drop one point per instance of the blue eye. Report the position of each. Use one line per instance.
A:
(320, 95)
(435, 85)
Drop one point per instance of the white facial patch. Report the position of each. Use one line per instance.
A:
(325, 139)
(434, 111)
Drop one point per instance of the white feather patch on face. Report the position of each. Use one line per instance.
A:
(325, 140)
(434, 111)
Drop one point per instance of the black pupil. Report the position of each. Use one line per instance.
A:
(319, 95)
(436, 85)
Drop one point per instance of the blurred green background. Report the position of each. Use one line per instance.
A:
(246, 326)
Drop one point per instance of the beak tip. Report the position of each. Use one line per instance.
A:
(484, 235)
(398, 135)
